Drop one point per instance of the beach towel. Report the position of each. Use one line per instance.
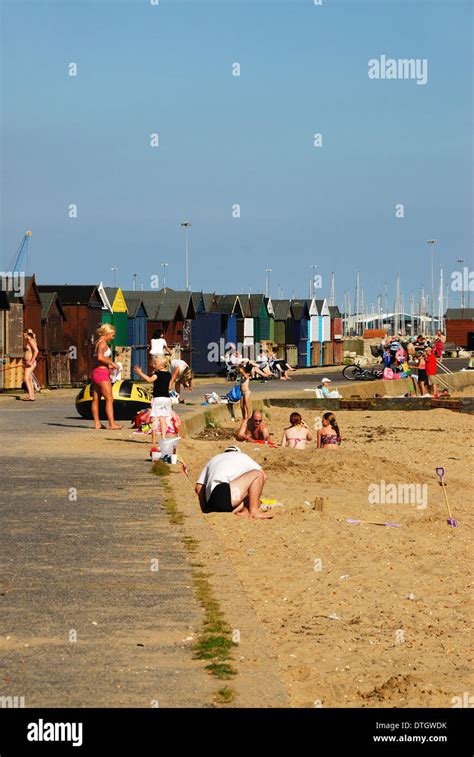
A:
(235, 394)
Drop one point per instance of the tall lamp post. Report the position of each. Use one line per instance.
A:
(432, 243)
(313, 268)
(267, 281)
(186, 225)
(164, 266)
(134, 277)
(114, 271)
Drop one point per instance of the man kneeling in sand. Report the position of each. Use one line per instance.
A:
(253, 429)
(232, 483)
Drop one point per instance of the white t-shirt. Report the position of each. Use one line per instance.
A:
(158, 346)
(181, 364)
(224, 468)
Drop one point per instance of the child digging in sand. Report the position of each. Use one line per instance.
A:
(162, 384)
(329, 436)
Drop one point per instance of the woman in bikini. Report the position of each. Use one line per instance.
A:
(30, 353)
(329, 436)
(101, 376)
(297, 434)
(245, 370)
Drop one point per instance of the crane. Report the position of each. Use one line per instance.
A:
(22, 250)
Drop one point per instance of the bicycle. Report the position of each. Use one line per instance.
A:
(356, 373)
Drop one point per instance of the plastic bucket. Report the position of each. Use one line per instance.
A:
(168, 445)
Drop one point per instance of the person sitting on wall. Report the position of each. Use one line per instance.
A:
(253, 428)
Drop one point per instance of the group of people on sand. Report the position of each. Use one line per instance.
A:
(232, 482)
(255, 429)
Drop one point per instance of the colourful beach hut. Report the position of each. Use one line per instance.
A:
(232, 318)
(301, 317)
(137, 318)
(320, 328)
(206, 334)
(115, 312)
(263, 321)
(283, 327)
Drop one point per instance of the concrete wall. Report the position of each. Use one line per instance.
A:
(196, 422)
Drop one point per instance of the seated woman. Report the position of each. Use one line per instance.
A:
(329, 436)
(281, 366)
(297, 434)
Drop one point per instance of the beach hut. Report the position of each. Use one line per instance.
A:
(165, 314)
(206, 334)
(11, 339)
(300, 312)
(261, 309)
(82, 306)
(320, 322)
(283, 326)
(336, 323)
(232, 319)
(137, 318)
(53, 318)
(115, 312)
(249, 324)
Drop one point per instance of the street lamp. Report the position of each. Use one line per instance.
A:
(267, 281)
(432, 242)
(186, 225)
(313, 267)
(114, 271)
(164, 266)
(134, 276)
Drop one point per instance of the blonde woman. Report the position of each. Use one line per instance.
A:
(30, 353)
(102, 385)
(162, 382)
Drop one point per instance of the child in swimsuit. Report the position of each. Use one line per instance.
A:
(329, 436)
(297, 434)
(245, 371)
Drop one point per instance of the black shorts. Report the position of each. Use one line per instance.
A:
(423, 376)
(220, 500)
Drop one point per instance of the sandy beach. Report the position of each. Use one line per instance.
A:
(358, 615)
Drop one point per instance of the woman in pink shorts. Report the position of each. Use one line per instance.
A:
(102, 385)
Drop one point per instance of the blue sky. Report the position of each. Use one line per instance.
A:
(228, 140)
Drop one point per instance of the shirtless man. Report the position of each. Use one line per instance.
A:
(253, 428)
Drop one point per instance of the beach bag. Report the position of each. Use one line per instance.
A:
(141, 418)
